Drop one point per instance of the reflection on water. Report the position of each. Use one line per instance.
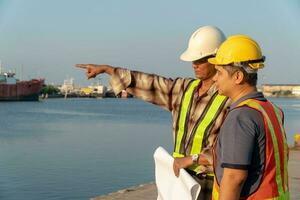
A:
(80, 148)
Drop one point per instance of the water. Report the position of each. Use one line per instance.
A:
(80, 148)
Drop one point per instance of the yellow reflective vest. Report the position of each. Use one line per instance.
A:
(206, 120)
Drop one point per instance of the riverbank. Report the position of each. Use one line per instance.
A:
(148, 191)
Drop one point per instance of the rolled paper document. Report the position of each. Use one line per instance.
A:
(170, 187)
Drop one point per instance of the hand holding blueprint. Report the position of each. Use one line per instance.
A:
(170, 187)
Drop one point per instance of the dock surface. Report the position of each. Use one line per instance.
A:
(148, 191)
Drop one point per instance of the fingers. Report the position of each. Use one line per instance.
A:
(90, 75)
(176, 168)
(91, 70)
(205, 160)
(83, 66)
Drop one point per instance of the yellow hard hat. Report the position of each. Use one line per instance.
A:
(239, 50)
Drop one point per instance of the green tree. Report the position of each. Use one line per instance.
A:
(49, 89)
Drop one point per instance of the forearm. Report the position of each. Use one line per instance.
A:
(109, 70)
(105, 69)
(152, 88)
(148, 87)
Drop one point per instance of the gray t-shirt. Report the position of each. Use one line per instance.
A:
(241, 143)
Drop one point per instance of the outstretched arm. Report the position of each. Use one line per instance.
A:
(148, 87)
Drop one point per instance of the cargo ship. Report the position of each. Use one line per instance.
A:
(12, 89)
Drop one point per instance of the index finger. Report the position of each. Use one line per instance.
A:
(83, 66)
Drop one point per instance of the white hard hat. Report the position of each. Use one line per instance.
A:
(204, 42)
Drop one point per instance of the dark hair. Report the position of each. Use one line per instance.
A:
(250, 78)
(204, 59)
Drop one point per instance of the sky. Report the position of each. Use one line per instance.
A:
(46, 38)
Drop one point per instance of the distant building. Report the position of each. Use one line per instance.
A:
(98, 90)
(296, 91)
(68, 86)
(86, 91)
(281, 90)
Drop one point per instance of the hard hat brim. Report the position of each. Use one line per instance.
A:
(191, 56)
(188, 56)
(213, 61)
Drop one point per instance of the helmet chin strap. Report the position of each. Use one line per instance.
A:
(248, 69)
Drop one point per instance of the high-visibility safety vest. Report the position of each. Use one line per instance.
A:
(205, 121)
(274, 182)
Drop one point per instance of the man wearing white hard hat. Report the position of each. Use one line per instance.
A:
(197, 108)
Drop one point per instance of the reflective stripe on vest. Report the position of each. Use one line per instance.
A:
(185, 106)
(207, 120)
(215, 191)
(286, 148)
(213, 109)
(273, 185)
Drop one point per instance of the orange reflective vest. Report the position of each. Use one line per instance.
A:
(274, 182)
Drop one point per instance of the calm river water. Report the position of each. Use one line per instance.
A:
(80, 148)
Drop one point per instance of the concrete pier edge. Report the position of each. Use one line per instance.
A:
(148, 191)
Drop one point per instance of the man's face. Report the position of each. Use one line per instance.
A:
(224, 82)
(203, 69)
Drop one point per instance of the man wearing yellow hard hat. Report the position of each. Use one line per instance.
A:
(197, 109)
(251, 153)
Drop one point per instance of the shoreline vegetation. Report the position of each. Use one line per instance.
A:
(50, 91)
(68, 90)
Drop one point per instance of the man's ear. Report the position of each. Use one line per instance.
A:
(239, 77)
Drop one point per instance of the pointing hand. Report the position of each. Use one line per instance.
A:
(93, 70)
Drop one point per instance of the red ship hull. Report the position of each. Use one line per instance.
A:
(21, 91)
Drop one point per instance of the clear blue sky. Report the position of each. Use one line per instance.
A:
(47, 37)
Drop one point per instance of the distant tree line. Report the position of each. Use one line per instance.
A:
(282, 93)
(50, 89)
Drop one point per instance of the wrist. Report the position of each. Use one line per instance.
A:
(195, 158)
(109, 69)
